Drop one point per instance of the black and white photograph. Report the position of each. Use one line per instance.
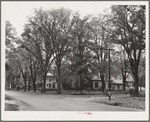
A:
(74, 60)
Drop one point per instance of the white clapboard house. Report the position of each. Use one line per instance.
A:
(115, 83)
(51, 82)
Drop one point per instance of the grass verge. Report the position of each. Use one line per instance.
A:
(124, 101)
(11, 107)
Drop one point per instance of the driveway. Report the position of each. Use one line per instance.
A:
(44, 102)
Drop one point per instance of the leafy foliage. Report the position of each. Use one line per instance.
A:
(77, 48)
(129, 31)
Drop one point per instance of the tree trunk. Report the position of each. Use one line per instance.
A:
(81, 84)
(90, 83)
(136, 83)
(103, 82)
(25, 84)
(41, 84)
(29, 85)
(33, 77)
(44, 79)
(58, 83)
(135, 75)
(124, 82)
(34, 86)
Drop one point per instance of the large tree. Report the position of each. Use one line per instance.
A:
(38, 42)
(101, 45)
(19, 64)
(11, 43)
(122, 65)
(47, 36)
(10, 35)
(80, 61)
(12, 72)
(34, 69)
(61, 38)
(129, 31)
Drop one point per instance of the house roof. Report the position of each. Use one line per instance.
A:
(96, 78)
(117, 80)
(129, 78)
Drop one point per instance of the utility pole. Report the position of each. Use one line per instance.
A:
(109, 69)
(109, 94)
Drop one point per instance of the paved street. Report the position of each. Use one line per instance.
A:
(39, 102)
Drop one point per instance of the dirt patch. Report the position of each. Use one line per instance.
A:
(12, 104)
(11, 107)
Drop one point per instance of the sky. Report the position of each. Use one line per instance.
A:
(17, 12)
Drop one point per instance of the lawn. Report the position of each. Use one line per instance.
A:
(123, 101)
(10, 105)
(117, 99)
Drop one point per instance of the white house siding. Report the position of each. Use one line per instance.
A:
(106, 85)
(93, 84)
(51, 84)
(56, 85)
(115, 86)
(118, 88)
(99, 84)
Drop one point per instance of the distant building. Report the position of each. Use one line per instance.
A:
(115, 83)
(51, 82)
(97, 83)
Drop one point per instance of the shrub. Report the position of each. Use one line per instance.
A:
(100, 88)
(132, 91)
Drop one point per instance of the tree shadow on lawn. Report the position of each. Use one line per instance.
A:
(84, 94)
(115, 104)
(11, 107)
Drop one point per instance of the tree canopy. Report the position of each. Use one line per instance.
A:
(79, 46)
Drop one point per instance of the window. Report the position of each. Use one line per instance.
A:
(49, 79)
(96, 85)
(50, 85)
